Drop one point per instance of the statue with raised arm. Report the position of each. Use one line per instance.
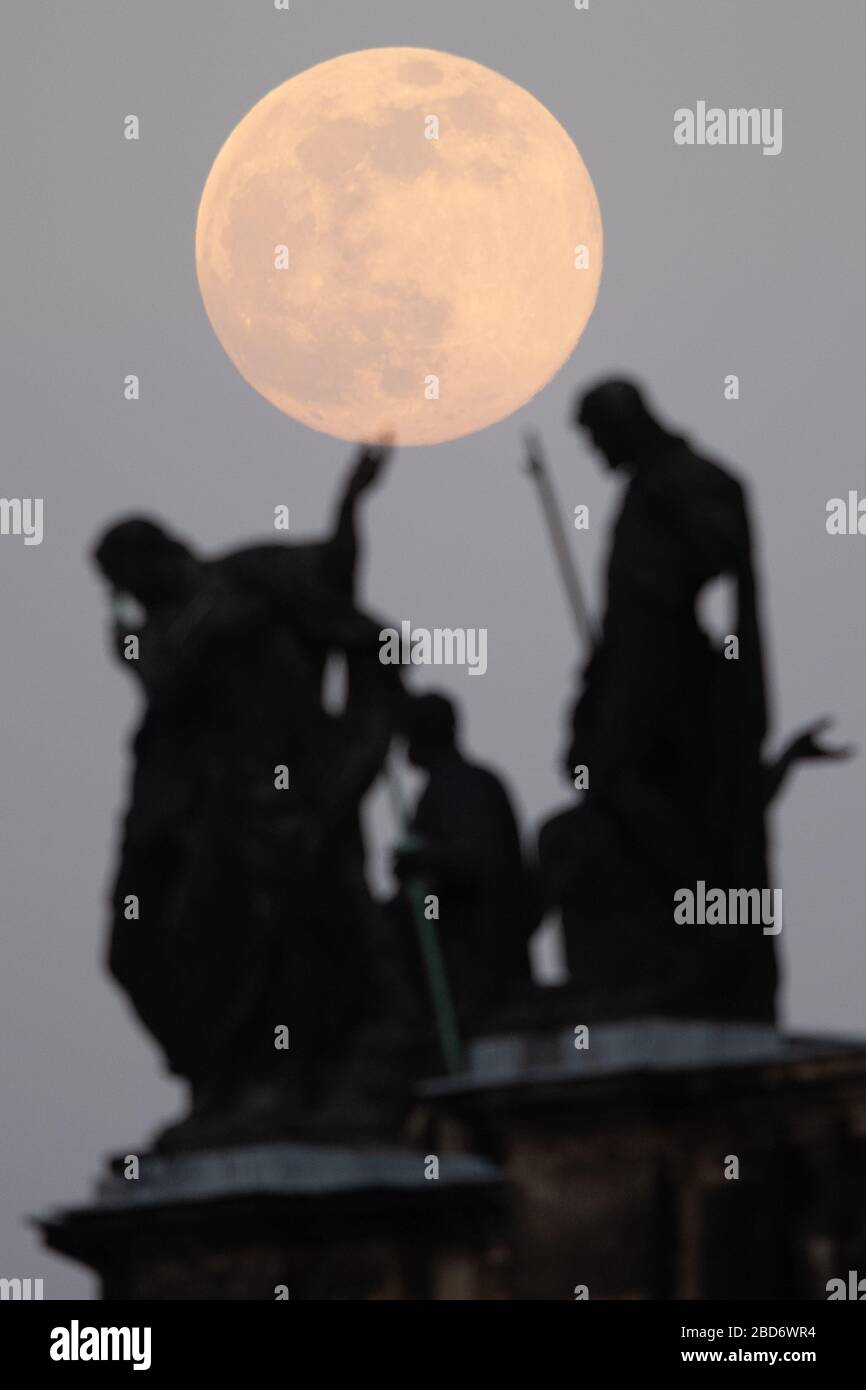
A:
(242, 929)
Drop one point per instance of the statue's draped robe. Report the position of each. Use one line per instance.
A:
(487, 906)
(244, 924)
(671, 730)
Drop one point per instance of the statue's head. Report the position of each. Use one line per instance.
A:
(430, 727)
(619, 423)
(138, 557)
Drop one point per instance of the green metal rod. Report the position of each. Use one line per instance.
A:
(431, 954)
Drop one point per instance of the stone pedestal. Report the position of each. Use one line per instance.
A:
(668, 1159)
(617, 1158)
(290, 1220)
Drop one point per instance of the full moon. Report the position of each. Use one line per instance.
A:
(398, 242)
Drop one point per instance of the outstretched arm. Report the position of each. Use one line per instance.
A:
(344, 542)
(804, 746)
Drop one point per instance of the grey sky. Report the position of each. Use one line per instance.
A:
(717, 260)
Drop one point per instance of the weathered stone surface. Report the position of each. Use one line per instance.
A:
(614, 1158)
(603, 1168)
(302, 1221)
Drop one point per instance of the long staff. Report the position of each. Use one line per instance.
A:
(538, 471)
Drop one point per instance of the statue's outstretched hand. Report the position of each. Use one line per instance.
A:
(371, 461)
(807, 744)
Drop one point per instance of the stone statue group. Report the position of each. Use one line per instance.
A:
(243, 928)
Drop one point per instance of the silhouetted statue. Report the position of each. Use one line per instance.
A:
(669, 728)
(240, 903)
(466, 851)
